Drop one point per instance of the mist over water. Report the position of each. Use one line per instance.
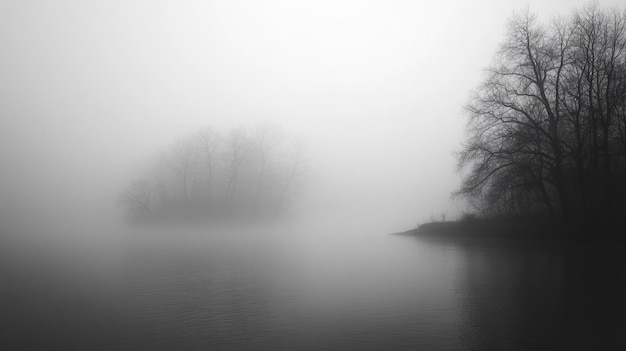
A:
(93, 95)
(310, 286)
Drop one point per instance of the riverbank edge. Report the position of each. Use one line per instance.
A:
(518, 228)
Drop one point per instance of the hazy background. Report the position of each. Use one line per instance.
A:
(91, 91)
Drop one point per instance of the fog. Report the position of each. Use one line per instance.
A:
(92, 92)
(89, 91)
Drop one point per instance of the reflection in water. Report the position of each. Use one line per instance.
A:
(298, 290)
(292, 292)
(530, 295)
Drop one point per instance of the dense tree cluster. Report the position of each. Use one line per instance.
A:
(245, 173)
(547, 128)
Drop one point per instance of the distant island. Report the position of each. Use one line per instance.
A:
(240, 175)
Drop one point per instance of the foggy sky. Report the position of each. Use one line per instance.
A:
(90, 90)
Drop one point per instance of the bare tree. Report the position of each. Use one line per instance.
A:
(516, 115)
(547, 123)
(266, 138)
(182, 157)
(236, 153)
(138, 199)
(600, 59)
(249, 167)
(210, 144)
(297, 169)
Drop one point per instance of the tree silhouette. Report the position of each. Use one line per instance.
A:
(249, 172)
(547, 125)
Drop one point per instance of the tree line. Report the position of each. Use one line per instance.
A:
(243, 173)
(547, 126)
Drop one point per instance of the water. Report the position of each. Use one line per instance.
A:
(314, 289)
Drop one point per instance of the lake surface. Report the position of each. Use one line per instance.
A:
(312, 289)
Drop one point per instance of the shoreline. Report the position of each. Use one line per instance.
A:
(541, 228)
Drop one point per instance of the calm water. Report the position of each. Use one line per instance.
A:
(314, 289)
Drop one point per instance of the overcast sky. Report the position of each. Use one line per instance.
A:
(376, 88)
